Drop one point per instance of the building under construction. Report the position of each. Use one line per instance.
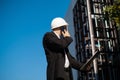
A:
(92, 29)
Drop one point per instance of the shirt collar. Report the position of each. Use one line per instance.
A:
(56, 34)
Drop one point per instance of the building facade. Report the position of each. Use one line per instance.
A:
(91, 29)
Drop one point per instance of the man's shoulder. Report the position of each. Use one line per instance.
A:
(48, 33)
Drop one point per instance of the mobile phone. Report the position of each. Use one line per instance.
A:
(63, 28)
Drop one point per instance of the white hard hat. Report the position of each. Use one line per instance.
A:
(58, 22)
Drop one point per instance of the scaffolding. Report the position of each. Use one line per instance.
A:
(93, 31)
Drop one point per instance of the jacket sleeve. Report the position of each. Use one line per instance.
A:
(74, 63)
(54, 42)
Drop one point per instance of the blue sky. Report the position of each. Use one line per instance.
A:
(22, 26)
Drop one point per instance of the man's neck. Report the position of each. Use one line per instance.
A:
(57, 32)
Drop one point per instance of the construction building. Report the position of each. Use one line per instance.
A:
(91, 29)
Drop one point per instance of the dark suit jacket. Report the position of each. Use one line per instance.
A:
(54, 50)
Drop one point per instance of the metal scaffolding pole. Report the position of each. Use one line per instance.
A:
(92, 38)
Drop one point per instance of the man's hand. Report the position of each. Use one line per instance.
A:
(86, 68)
(66, 33)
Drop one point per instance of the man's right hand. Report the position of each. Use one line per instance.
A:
(66, 33)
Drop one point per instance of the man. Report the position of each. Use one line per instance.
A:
(56, 44)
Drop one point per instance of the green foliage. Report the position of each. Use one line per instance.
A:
(113, 12)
